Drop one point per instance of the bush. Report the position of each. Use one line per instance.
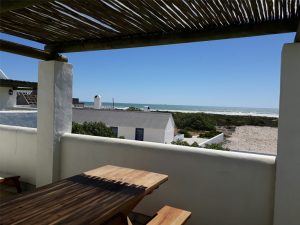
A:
(92, 128)
(216, 147)
(121, 137)
(184, 143)
(209, 134)
(208, 122)
(185, 132)
(195, 144)
(194, 121)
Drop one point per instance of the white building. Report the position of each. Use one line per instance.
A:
(143, 126)
(9, 88)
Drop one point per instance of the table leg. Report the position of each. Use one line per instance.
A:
(17, 184)
(122, 218)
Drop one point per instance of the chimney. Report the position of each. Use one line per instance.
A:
(97, 102)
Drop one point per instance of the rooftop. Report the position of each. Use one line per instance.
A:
(123, 118)
(18, 84)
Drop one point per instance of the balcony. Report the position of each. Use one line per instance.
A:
(238, 187)
(224, 188)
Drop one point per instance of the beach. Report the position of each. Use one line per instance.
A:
(253, 139)
(219, 110)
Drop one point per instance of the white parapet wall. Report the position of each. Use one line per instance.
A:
(21, 118)
(218, 187)
(18, 152)
(214, 140)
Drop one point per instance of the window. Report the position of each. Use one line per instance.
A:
(139, 134)
(115, 131)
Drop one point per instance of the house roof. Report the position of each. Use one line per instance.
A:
(17, 84)
(120, 118)
(77, 25)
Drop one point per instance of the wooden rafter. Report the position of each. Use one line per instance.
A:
(7, 5)
(12, 47)
(175, 38)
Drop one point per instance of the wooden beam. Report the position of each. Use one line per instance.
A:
(7, 5)
(142, 40)
(24, 50)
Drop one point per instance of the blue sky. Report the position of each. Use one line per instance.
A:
(242, 72)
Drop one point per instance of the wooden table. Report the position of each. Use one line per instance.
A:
(101, 196)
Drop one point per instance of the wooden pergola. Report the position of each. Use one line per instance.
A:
(83, 25)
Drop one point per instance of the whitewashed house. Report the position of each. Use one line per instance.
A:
(142, 126)
(9, 88)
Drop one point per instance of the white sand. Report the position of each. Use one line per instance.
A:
(253, 139)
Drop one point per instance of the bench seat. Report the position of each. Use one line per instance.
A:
(170, 216)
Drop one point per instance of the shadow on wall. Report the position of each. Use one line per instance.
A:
(22, 119)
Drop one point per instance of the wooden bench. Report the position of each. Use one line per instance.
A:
(170, 216)
(10, 180)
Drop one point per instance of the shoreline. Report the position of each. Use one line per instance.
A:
(221, 113)
(254, 114)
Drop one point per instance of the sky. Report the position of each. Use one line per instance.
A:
(241, 72)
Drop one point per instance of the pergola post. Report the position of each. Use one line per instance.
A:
(54, 117)
(287, 194)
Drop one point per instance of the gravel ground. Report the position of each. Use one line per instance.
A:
(253, 139)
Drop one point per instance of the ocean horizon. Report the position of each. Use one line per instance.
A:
(250, 111)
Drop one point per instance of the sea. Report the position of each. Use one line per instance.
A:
(268, 112)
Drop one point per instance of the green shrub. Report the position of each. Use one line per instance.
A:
(122, 137)
(184, 143)
(195, 144)
(208, 122)
(193, 121)
(185, 132)
(209, 134)
(178, 142)
(216, 147)
(92, 128)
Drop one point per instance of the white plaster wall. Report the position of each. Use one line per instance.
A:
(6, 100)
(154, 135)
(287, 197)
(18, 152)
(214, 140)
(218, 187)
(54, 116)
(169, 132)
(127, 132)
